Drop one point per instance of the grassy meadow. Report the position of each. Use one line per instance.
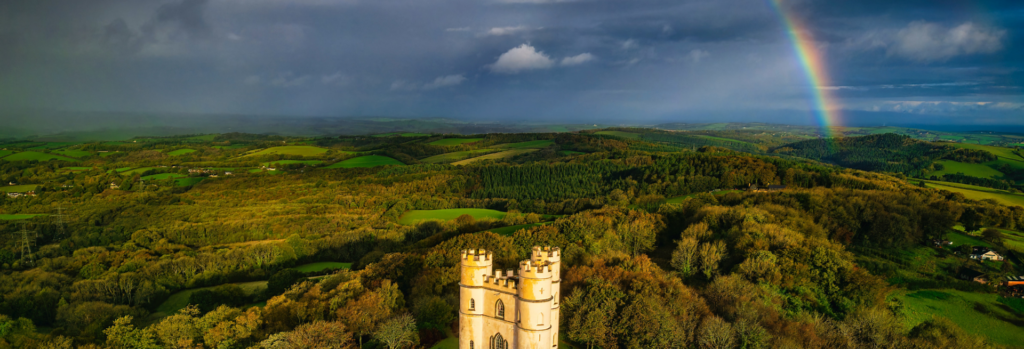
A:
(976, 170)
(72, 153)
(288, 162)
(367, 161)
(415, 216)
(495, 156)
(622, 134)
(15, 217)
(455, 156)
(974, 192)
(18, 188)
(179, 300)
(300, 150)
(181, 152)
(32, 155)
(454, 141)
(537, 144)
(321, 266)
(978, 313)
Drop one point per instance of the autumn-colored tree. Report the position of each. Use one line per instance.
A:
(710, 254)
(124, 335)
(397, 332)
(321, 334)
(684, 258)
(590, 312)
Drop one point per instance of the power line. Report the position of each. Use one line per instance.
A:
(60, 222)
(26, 247)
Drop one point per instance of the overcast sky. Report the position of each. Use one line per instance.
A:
(918, 61)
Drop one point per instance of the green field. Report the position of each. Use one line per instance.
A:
(179, 300)
(229, 147)
(18, 188)
(976, 170)
(529, 145)
(31, 155)
(570, 152)
(725, 139)
(161, 176)
(980, 193)
(1006, 153)
(455, 156)
(406, 134)
(414, 216)
(184, 182)
(976, 313)
(495, 156)
(680, 199)
(138, 170)
(181, 152)
(367, 161)
(454, 141)
(4, 153)
(958, 239)
(320, 266)
(509, 230)
(109, 153)
(301, 150)
(14, 217)
(287, 162)
(619, 134)
(52, 145)
(73, 153)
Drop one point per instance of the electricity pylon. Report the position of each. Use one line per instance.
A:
(59, 217)
(26, 247)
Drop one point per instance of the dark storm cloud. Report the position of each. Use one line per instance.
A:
(539, 60)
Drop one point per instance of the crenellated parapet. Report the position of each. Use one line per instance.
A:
(477, 257)
(535, 270)
(504, 282)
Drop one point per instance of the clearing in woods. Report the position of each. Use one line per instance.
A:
(367, 161)
(14, 217)
(454, 141)
(181, 152)
(975, 170)
(286, 162)
(619, 134)
(320, 266)
(32, 155)
(978, 313)
(73, 153)
(302, 150)
(455, 156)
(974, 192)
(18, 188)
(528, 145)
(415, 216)
(495, 156)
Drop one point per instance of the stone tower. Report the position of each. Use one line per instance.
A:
(502, 310)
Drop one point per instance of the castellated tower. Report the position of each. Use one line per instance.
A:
(502, 310)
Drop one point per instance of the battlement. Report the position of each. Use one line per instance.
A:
(546, 253)
(503, 282)
(478, 257)
(535, 269)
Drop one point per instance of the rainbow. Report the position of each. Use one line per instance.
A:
(826, 107)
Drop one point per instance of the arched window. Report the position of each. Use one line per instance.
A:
(472, 304)
(497, 342)
(499, 310)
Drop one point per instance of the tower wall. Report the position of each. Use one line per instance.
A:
(531, 301)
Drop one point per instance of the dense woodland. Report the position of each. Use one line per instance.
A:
(744, 269)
